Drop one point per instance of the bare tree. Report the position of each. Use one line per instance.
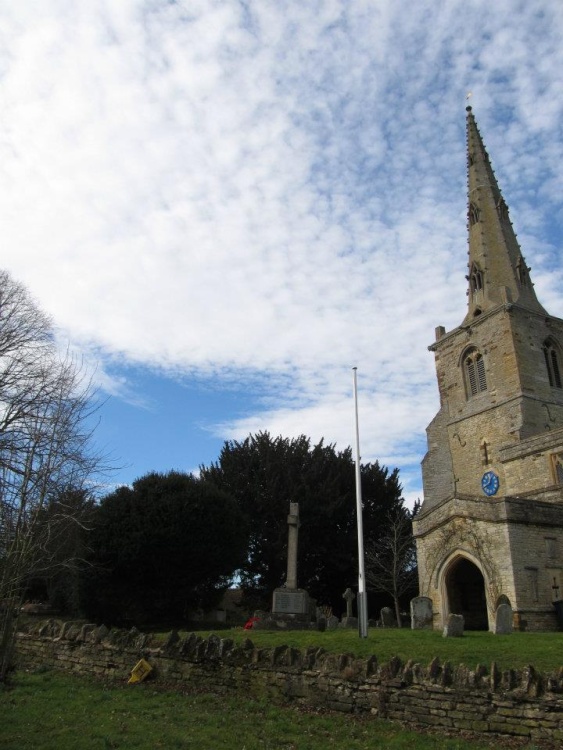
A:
(391, 562)
(45, 405)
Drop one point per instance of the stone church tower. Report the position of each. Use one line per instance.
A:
(490, 529)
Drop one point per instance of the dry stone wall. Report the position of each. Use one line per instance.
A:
(523, 703)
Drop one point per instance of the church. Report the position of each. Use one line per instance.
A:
(490, 529)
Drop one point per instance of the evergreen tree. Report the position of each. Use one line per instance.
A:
(161, 549)
(264, 474)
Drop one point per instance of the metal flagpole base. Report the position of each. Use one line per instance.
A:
(362, 614)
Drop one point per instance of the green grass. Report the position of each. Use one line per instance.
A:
(543, 650)
(51, 711)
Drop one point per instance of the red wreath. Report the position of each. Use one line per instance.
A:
(250, 623)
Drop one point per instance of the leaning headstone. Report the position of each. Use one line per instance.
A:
(503, 620)
(421, 613)
(454, 626)
(388, 618)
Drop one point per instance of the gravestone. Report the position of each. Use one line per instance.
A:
(388, 618)
(332, 622)
(290, 600)
(421, 613)
(503, 620)
(454, 626)
(348, 620)
(349, 597)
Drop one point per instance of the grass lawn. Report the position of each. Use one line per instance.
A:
(51, 711)
(543, 650)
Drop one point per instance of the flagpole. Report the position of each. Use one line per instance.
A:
(362, 597)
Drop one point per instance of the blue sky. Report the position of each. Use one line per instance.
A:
(225, 206)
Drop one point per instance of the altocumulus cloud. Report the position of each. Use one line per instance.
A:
(274, 192)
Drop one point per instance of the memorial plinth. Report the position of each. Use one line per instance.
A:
(291, 602)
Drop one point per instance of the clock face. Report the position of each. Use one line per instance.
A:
(490, 483)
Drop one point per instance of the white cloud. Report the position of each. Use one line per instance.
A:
(274, 189)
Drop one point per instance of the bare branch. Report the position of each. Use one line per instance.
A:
(391, 562)
(45, 403)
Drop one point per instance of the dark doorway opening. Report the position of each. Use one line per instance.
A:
(465, 587)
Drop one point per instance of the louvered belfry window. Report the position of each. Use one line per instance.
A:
(475, 373)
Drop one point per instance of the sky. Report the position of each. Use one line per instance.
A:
(226, 205)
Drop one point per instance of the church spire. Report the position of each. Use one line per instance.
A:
(497, 270)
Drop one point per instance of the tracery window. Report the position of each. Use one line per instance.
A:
(473, 214)
(475, 378)
(476, 278)
(552, 364)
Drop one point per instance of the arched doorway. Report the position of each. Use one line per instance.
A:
(465, 589)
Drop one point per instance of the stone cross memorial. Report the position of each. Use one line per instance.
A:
(292, 536)
(348, 620)
(349, 597)
(289, 599)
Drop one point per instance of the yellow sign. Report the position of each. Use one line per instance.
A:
(140, 671)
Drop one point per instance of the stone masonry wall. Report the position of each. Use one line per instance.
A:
(518, 541)
(524, 703)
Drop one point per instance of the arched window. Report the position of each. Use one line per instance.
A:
(476, 278)
(474, 367)
(552, 363)
(473, 214)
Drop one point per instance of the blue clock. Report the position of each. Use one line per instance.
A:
(490, 483)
